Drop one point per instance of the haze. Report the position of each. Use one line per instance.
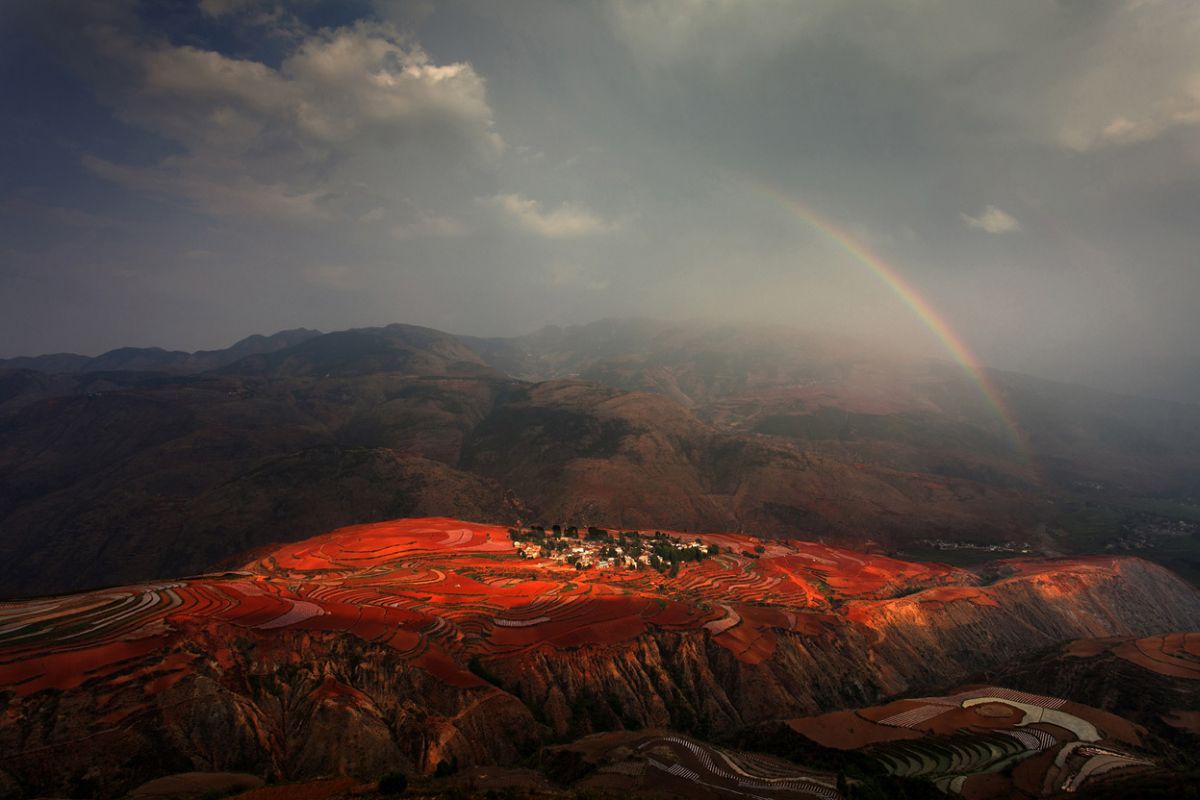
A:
(183, 174)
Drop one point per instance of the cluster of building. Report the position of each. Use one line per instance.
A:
(1007, 547)
(586, 555)
(600, 550)
(1149, 532)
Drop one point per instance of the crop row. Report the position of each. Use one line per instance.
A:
(941, 756)
(723, 771)
(999, 693)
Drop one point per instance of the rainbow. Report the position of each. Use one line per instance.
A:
(954, 344)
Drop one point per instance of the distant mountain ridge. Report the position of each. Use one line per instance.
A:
(156, 359)
(411, 349)
(129, 474)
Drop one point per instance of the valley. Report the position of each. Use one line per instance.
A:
(161, 464)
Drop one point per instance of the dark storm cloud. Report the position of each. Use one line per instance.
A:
(183, 174)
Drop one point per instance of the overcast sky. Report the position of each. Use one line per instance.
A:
(186, 173)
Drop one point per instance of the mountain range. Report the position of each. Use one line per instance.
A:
(143, 463)
(621, 559)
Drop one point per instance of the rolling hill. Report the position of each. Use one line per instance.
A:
(116, 476)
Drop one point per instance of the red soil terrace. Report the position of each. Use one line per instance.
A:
(1175, 655)
(1051, 743)
(441, 591)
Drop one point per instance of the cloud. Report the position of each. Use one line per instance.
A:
(712, 35)
(568, 221)
(367, 81)
(405, 220)
(1137, 76)
(424, 224)
(339, 277)
(61, 215)
(220, 8)
(992, 220)
(349, 119)
(1082, 77)
(218, 197)
(570, 275)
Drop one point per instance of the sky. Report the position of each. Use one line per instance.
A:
(183, 173)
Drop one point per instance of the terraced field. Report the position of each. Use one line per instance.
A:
(697, 766)
(989, 742)
(440, 590)
(451, 642)
(1175, 655)
(661, 764)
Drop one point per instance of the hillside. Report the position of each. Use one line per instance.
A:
(156, 359)
(423, 641)
(769, 431)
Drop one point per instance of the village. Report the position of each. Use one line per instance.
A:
(1024, 548)
(603, 550)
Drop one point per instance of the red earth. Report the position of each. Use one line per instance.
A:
(441, 591)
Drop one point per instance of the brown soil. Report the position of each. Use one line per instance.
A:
(1184, 720)
(197, 783)
(994, 710)
(847, 730)
(1110, 725)
(988, 786)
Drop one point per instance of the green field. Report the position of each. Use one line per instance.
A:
(1088, 527)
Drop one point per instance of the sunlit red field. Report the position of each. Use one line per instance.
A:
(1174, 655)
(441, 591)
